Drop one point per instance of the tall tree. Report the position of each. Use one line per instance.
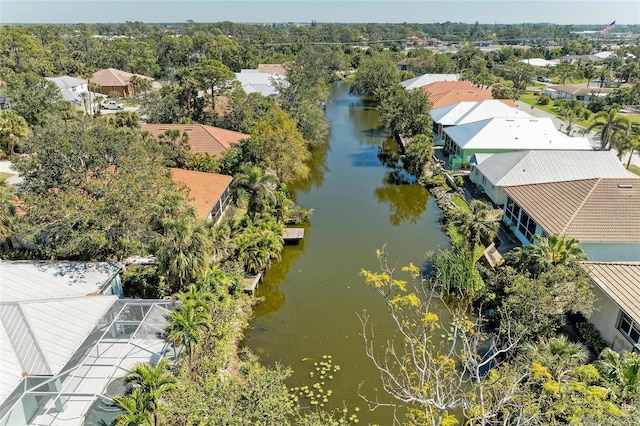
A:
(13, 130)
(280, 146)
(607, 124)
(376, 74)
(215, 76)
(476, 224)
(182, 250)
(7, 212)
(260, 187)
(153, 382)
(33, 98)
(187, 327)
(136, 409)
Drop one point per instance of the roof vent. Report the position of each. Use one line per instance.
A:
(625, 186)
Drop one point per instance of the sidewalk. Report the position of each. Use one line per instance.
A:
(592, 137)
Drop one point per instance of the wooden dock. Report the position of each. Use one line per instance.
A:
(292, 235)
(251, 283)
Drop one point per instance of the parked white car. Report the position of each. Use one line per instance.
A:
(112, 105)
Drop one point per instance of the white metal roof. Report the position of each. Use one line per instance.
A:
(539, 62)
(41, 336)
(263, 83)
(424, 79)
(468, 112)
(514, 134)
(66, 82)
(23, 280)
(529, 167)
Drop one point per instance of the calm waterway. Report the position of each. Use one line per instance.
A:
(311, 296)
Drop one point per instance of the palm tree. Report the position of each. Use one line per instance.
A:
(182, 250)
(7, 212)
(558, 355)
(136, 409)
(559, 249)
(418, 153)
(152, 382)
(604, 74)
(608, 123)
(13, 129)
(476, 224)
(198, 298)
(260, 186)
(626, 143)
(176, 144)
(622, 371)
(186, 327)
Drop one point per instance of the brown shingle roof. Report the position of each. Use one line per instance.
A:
(205, 189)
(114, 77)
(590, 210)
(203, 139)
(579, 90)
(621, 281)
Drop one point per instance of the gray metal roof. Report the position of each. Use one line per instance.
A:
(468, 112)
(529, 167)
(424, 79)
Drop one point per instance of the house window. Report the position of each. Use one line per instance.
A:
(629, 328)
(484, 180)
(527, 226)
(512, 212)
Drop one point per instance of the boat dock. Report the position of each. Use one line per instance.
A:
(292, 235)
(251, 283)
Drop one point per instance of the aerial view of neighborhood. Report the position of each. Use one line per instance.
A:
(319, 213)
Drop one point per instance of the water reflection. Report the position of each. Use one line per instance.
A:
(269, 289)
(406, 202)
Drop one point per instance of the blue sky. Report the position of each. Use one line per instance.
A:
(487, 12)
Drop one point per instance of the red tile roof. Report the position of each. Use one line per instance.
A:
(443, 93)
(203, 139)
(205, 189)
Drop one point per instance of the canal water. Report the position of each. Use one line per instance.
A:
(312, 295)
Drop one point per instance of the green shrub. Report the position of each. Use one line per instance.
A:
(436, 180)
(543, 100)
(143, 281)
(591, 336)
(459, 180)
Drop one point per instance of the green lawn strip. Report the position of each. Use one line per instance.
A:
(634, 169)
(529, 98)
(459, 202)
(4, 175)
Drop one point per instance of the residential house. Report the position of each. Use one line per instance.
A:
(468, 112)
(76, 91)
(616, 312)
(202, 139)
(539, 62)
(265, 83)
(502, 134)
(603, 214)
(114, 82)
(427, 79)
(444, 93)
(579, 93)
(208, 192)
(65, 336)
(494, 172)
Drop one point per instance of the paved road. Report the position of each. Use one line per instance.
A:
(593, 139)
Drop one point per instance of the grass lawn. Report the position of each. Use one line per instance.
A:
(531, 99)
(634, 169)
(4, 175)
(459, 202)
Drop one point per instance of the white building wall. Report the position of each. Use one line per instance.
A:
(605, 318)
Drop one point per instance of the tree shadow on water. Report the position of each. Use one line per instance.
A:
(407, 201)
